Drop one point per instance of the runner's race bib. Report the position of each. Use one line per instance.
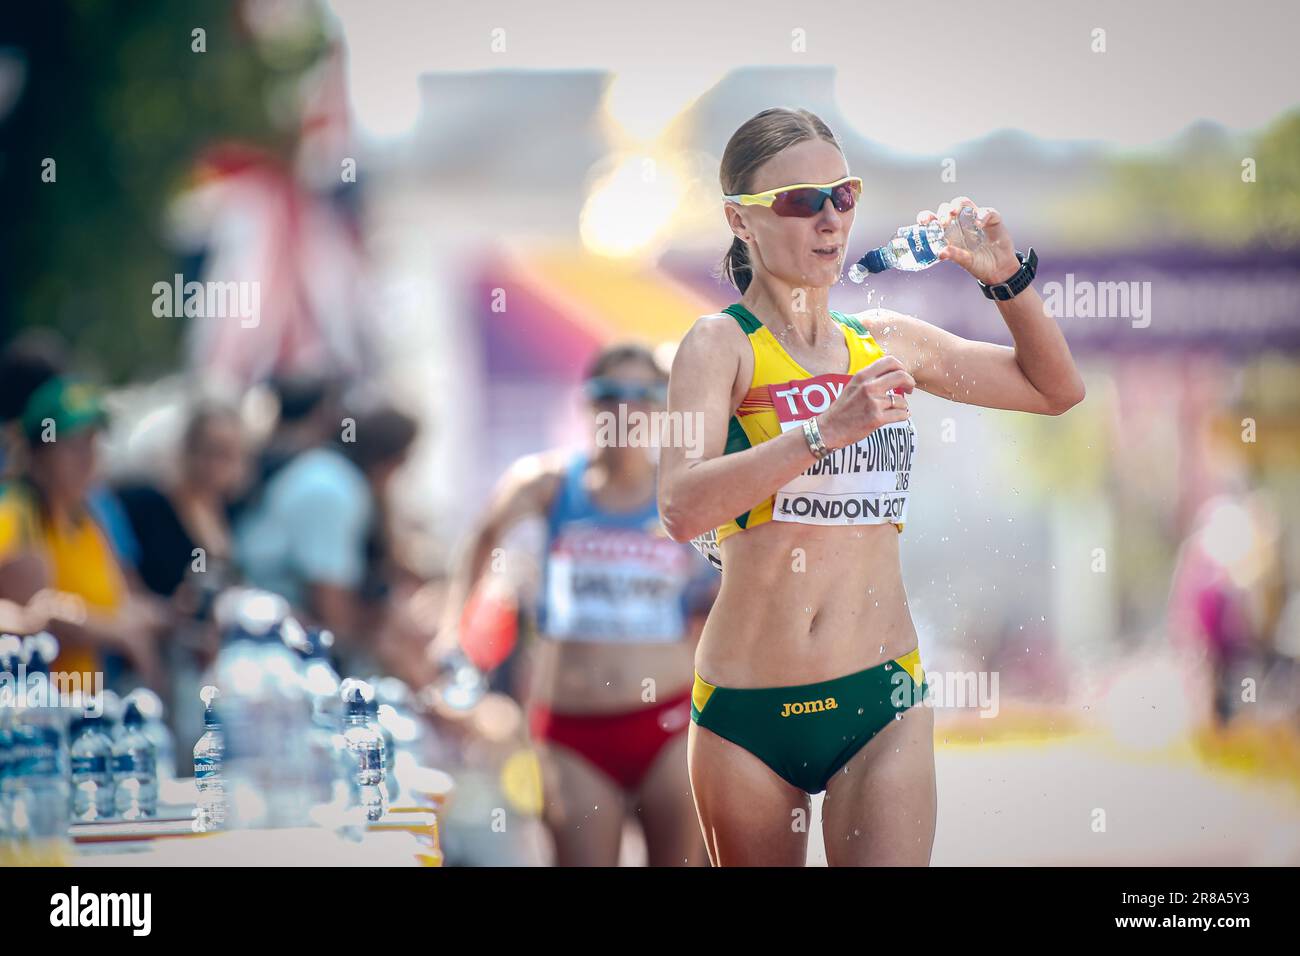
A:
(707, 544)
(615, 585)
(862, 483)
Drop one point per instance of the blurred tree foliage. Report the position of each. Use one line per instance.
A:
(1207, 188)
(116, 96)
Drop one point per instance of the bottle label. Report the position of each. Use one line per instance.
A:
(19, 762)
(42, 763)
(142, 763)
(93, 764)
(206, 767)
(370, 758)
(921, 250)
(36, 752)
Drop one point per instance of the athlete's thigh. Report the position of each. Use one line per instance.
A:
(749, 815)
(583, 808)
(880, 809)
(667, 812)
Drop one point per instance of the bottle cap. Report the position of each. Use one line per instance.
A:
(39, 651)
(131, 716)
(147, 702)
(11, 651)
(209, 695)
(319, 640)
(112, 706)
(250, 615)
(358, 698)
(294, 636)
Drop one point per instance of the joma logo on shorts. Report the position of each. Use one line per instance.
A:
(808, 707)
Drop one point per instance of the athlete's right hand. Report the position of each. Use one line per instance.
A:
(865, 405)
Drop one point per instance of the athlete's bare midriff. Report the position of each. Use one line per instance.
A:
(589, 677)
(786, 616)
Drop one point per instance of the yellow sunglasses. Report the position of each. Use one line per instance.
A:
(804, 199)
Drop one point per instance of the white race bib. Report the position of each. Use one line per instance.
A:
(862, 483)
(615, 585)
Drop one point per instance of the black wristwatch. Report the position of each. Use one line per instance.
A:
(1018, 283)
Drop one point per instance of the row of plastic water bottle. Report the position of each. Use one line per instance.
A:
(286, 741)
(68, 755)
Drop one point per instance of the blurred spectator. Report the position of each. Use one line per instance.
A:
(319, 534)
(184, 526)
(186, 553)
(31, 360)
(50, 539)
(309, 413)
(1227, 593)
(28, 363)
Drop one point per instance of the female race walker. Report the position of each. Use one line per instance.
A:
(808, 662)
(609, 686)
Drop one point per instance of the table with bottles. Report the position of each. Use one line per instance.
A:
(295, 766)
(404, 835)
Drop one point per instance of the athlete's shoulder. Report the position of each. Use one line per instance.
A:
(886, 326)
(914, 342)
(875, 319)
(539, 468)
(718, 324)
(710, 337)
(529, 485)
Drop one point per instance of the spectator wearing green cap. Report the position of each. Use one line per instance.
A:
(50, 540)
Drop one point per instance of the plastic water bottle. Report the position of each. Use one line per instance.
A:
(135, 768)
(365, 743)
(265, 712)
(10, 655)
(111, 705)
(329, 780)
(155, 728)
(459, 684)
(40, 739)
(91, 760)
(917, 247)
(209, 757)
(405, 735)
(320, 678)
(6, 748)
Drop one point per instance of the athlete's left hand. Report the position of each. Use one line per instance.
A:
(995, 259)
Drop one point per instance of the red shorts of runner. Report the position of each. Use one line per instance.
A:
(621, 745)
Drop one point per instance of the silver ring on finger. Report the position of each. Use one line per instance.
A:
(891, 398)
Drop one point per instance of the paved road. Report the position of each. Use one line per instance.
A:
(1035, 802)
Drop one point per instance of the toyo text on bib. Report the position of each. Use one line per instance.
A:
(865, 482)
